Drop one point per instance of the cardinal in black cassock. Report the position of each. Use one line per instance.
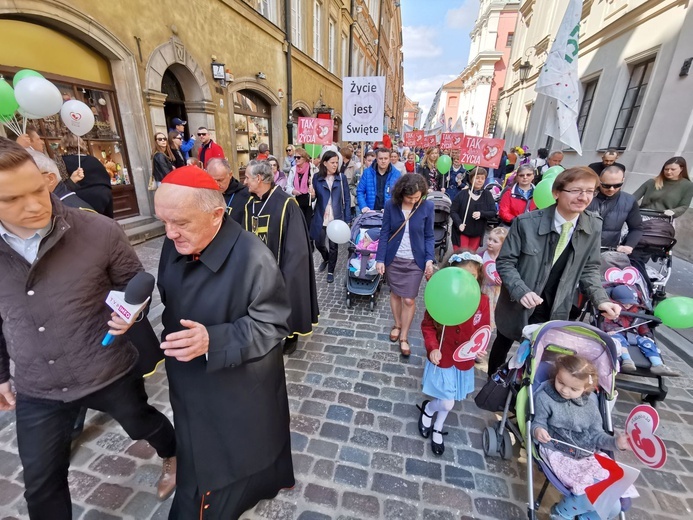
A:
(276, 218)
(225, 316)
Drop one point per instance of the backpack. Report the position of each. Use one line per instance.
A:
(657, 233)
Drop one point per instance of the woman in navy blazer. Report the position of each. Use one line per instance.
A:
(406, 251)
(331, 191)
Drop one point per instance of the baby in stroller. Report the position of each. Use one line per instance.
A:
(627, 330)
(569, 429)
(369, 242)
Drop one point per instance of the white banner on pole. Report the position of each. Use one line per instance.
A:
(363, 108)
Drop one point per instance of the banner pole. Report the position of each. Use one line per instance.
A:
(469, 201)
(363, 157)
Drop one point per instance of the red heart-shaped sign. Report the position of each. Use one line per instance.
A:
(476, 345)
(491, 271)
(641, 425)
(626, 276)
(75, 116)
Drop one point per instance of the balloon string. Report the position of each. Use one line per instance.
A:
(79, 155)
(440, 346)
(469, 200)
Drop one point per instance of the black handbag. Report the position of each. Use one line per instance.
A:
(494, 393)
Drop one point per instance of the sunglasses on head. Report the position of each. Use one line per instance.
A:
(611, 186)
(200, 134)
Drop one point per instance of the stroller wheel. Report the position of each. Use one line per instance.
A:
(348, 303)
(506, 447)
(489, 442)
(372, 304)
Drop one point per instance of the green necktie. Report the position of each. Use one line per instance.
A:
(562, 241)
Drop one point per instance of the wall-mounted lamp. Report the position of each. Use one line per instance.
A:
(260, 75)
(685, 69)
(280, 94)
(524, 70)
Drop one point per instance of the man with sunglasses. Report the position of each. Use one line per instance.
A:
(617, 208)
(209, 149)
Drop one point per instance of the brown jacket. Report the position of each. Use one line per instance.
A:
(52, 312)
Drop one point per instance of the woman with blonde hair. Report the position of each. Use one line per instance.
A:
(89, 178)
(427, 168)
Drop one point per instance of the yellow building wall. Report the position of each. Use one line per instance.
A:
(64, 56)
(229, 30)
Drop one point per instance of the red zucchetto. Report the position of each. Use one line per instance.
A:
(192, 177)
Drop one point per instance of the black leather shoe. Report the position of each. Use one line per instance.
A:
(290, 345)
(323, 266)
(330, 277)
(438, 449)
(423, 430)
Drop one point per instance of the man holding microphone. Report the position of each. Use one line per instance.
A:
(57, 265)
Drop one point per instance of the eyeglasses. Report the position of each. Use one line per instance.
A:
(178, 137)
(160, 138)
(200, 134)
(576, 192)
(611, 186)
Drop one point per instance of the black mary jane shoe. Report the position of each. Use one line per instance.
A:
(423, 430)
(438, 449)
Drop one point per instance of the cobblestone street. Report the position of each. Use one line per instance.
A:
(357, 452)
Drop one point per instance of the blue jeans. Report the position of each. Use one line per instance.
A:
(646, 345)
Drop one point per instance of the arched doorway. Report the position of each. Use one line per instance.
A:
(174, 106)
(300, 110)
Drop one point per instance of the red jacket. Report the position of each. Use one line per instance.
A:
(458, 335)
(513, 204)
(210, 151)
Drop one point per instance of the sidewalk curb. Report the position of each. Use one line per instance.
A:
(677, 344)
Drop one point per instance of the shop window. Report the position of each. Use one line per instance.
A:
(589, 88)
(509, 40)
(104, 141)
(630, 107)
(252, 125)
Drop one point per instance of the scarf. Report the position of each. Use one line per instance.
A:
(409, 166)
(301, 178)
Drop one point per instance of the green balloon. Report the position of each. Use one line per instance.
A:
(8, 103)
(543, 194)
(452, 296)
(554, 170)
(676, 312)
(468, 167)
(24, 73)
(313, 150)
(443, 164)
(549, 176)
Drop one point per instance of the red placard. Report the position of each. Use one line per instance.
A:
(481, 151)
(450, 140)
(313, 130)
(429, 141)
(413, 139)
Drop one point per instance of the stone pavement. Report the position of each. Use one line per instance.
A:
(357, 452)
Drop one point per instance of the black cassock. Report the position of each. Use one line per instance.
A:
(279, 222)
(230, 410)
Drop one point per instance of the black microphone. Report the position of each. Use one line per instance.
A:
(130, 303)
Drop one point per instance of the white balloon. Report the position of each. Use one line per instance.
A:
(77, 116)
(339, 232)
(27, 115)
(38, 96)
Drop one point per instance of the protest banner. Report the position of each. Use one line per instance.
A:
(429, 141)
(451, 140)
(312, 130)
(481, 151)
(363, 108)
(413, 139)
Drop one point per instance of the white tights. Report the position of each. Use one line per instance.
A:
(442, 407)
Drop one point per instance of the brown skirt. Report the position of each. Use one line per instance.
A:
(404, 277)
